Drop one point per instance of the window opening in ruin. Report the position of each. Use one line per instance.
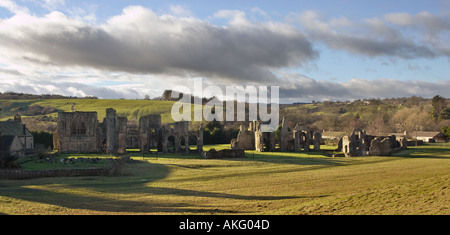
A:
(78, 127)
(265, 146)
(182, 144)
(103, 146)
(155, 141)
(193, 142)
(171, 144)
(132, 143)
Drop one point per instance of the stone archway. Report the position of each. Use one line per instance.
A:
(193, 143)
(171, 144)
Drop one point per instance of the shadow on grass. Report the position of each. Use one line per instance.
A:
(297, 158)
(111, 194)
(96, 204)
(432, 151)
(58, 192)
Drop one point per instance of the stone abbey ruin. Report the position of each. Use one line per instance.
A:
(297, 140)
(81, 132)
(358, 143)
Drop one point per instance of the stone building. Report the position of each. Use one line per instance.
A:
(18, 140)
(10, 145)
(246, 137)
(358, 143)
(78, 132)
(81, 132)
(297, 140)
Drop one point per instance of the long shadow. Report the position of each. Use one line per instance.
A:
(125, 184)
(311, 158)
(424, 152)
(135, 180)
(105, 205)
(141, 188)
(308, 158)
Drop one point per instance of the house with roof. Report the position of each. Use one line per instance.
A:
(15, 135)
(425, 136)
(11, 145)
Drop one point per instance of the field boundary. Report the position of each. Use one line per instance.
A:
(32, 174)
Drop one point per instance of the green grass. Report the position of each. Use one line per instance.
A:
(132, 109)
(59, 162)
(415, 181)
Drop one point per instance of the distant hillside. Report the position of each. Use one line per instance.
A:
(374, 115)
(9, 95)
(41, 114)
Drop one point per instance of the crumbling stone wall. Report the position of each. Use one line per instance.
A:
(380, 146)
(224, 153)
(174, 135)
(150, 133)
(76, 132)
(246, 138)
(361, 144)
(317, 139)
(32, 174)
(81, 132)
(298, 139)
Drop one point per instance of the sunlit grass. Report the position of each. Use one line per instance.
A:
(132, 109)
(414, 181)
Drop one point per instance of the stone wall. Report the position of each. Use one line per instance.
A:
(224, 153)
(76, 132)
(361, 144)
(31, 174)
(298, 139)
(245, 139)
(80, 132)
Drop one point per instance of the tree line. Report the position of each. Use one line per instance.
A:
(376, 116)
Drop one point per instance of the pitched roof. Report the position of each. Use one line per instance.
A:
(424, 133)
(7, 140)
(13, 128)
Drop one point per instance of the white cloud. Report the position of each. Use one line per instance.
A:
(301, 88)
(396, 35)
(140, 41)
(424, 20)
(140, 52)
(13, 7)
(179, 10)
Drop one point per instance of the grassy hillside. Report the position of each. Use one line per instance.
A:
(129, 108)
(41, 114)
(414, 181)
(376, 116)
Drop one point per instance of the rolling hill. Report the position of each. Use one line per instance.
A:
(39, 112)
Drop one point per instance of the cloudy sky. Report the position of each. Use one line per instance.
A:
(312, 50)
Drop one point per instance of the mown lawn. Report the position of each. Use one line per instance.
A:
(414, 181)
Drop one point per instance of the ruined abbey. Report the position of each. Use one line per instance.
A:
(358, 143)
(300, 139)
(81, 132)
(297, 140)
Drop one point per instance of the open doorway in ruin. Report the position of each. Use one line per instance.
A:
(193, 143)
(171, 144)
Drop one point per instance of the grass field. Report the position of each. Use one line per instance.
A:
(414, 181)
(132, 109)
